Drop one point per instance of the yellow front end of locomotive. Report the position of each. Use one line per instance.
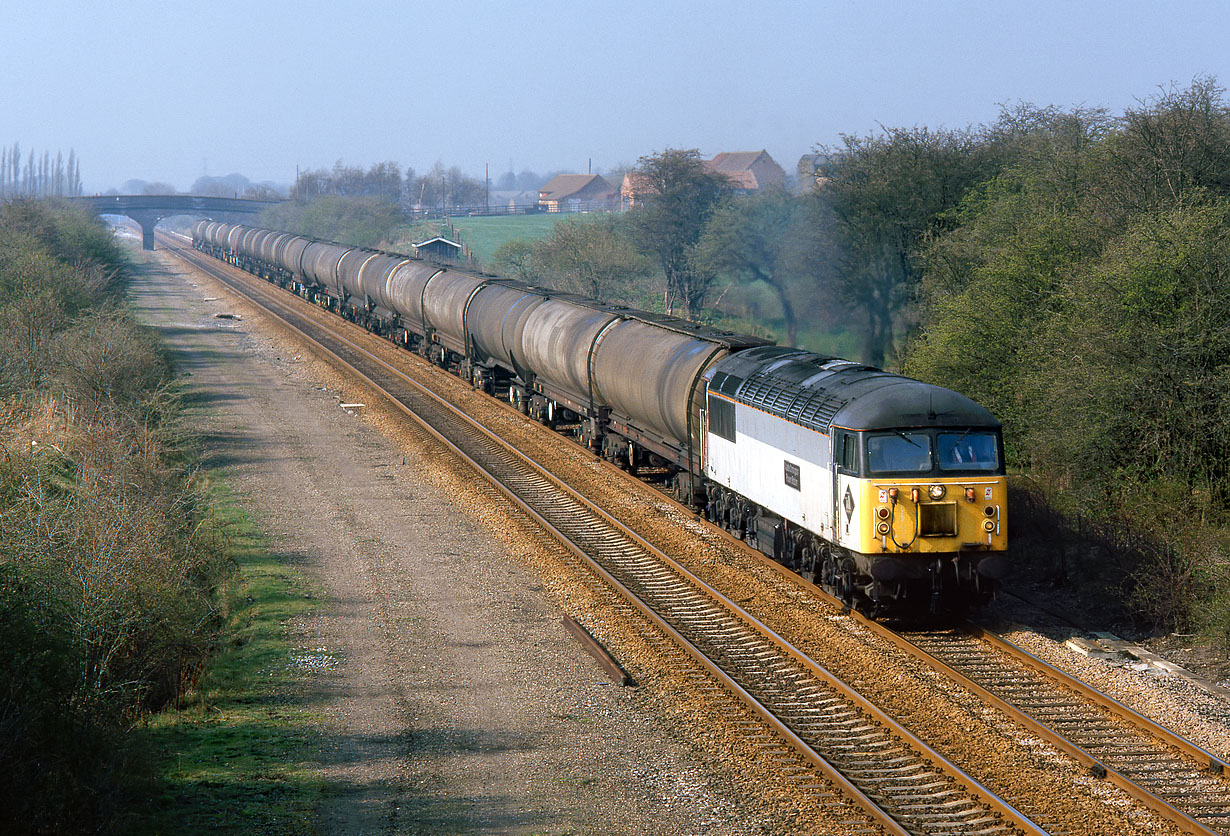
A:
(946, 515)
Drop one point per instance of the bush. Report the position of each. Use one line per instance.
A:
(109, 563)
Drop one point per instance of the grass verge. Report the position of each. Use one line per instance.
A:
(237, 755)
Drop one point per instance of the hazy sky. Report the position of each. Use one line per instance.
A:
(171, 90)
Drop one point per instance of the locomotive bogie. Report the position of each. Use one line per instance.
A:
(773, 463)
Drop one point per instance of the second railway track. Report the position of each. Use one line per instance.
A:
(899, 782)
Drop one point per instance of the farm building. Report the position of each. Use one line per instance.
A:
(575, 192)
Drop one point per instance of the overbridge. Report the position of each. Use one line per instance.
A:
(149, 209)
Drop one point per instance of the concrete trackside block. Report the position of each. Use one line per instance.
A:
(1111, 643)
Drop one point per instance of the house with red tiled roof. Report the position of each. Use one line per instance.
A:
(571, 192)
(749, 171)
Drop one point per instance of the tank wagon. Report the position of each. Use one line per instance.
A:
(887, 492)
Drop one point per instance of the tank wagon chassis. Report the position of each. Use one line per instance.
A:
(830, 467)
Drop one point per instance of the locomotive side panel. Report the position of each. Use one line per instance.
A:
(776, 464)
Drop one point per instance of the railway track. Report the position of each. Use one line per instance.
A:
(1165, 772)
(839, 743)
(1177, 779)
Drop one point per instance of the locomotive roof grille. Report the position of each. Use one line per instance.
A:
(803, 404)
(815, 391)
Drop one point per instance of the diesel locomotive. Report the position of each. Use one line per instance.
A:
(887, 492)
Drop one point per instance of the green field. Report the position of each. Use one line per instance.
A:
(484, 235)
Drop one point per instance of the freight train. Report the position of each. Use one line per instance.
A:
(887, 492)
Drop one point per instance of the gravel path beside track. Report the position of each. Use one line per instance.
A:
(451, 699)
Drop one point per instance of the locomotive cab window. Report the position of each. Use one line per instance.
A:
(899, 452)
(722, 418)
(845, 451)
(968, 450)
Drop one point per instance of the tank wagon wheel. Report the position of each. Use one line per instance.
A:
(480, 379)
(682, 490)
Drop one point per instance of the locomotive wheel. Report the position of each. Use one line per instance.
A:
(837, 577)
(845, 581)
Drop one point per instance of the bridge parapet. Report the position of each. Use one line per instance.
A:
(149, 209)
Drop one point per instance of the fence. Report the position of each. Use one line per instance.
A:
(426, 213)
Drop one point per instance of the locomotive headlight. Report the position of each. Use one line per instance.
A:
(989, 525)
(882, 512)
(989, 510)
(969, 494)
(936, 491)
(882, 528)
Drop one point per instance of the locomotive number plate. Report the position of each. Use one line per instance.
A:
(792, 476)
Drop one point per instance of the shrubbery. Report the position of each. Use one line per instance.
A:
(108, 563)
(1081, 295)
(359, 221)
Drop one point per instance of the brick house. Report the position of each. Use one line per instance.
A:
(750, 171)
(571, 192)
